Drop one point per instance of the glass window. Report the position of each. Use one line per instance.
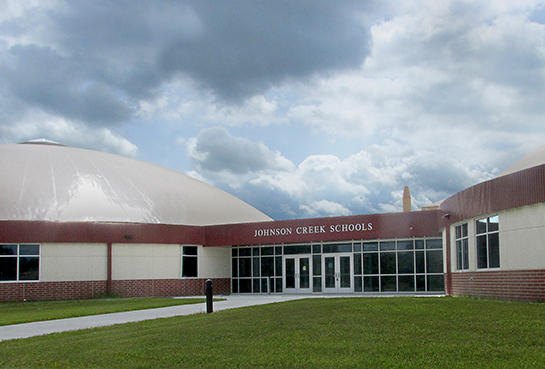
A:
(264, 285)
(234, 268)
(420, 262)
(370, 246)
(299, 249)
(244, 267)
(405, 283)
(278, 285)
(245, 285)
(317, 265)
(403, 265)
(405, 262)
(189, 261)
(387, 263)
(190, 250)
(29, 250)
(370, 263)
(341, 247)
(462, 254)
(267, 266)
(244, 252)
(358, 286)
(434, 243)
(316, 284)
(357, 247)
(8, 249)
(494, 250)
(405, 245)
(421, 283)
(488, 242)
(8, 269)
(29, 268)
(255, 267)
(386, 246)
(388, 284)
(436, 283)
(370, 284)
(278, 266)
(357, 264)
(434, 261)
(481, 226)
(19, 262)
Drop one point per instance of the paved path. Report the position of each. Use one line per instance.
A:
(26, 330)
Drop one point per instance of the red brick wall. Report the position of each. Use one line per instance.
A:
(73, 290)
(52, 290)
(169, 287)
(516, 285)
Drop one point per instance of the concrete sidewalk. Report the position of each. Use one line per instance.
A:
(72, 324)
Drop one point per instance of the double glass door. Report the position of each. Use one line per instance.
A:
(335, 274)
(297, 279)
(338, 273)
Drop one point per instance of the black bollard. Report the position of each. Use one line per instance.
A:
(209, 299)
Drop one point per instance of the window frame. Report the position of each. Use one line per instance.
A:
(18, 257)
(190, 256)
(491, 245)
(461, 240)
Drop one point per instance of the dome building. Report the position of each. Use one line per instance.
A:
(46, 181)
(78, 223)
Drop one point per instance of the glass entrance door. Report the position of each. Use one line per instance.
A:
(297, 274)
(337, 273)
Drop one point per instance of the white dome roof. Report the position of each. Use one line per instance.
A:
(535, 158)
(42, 180)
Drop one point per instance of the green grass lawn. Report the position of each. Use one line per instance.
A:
(24, 312)
(312, 333)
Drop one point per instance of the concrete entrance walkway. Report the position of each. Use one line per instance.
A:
(26, 330)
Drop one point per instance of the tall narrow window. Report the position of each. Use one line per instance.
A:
(189, 261)
(462, 254)
(488, 242)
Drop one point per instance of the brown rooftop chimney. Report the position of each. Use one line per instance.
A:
(406, 199)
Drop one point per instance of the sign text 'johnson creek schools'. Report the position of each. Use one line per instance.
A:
(334, 228)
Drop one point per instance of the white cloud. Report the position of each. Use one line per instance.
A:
(39, 125)
(369, 181)
(447, 94)
(215, 150)
(319, 208)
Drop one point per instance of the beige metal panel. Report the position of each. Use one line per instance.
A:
(73, 262)
(526, 217)
(146, 261)
(214, 262)
(522, 238)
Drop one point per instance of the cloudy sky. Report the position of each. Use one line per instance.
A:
(300, 108)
